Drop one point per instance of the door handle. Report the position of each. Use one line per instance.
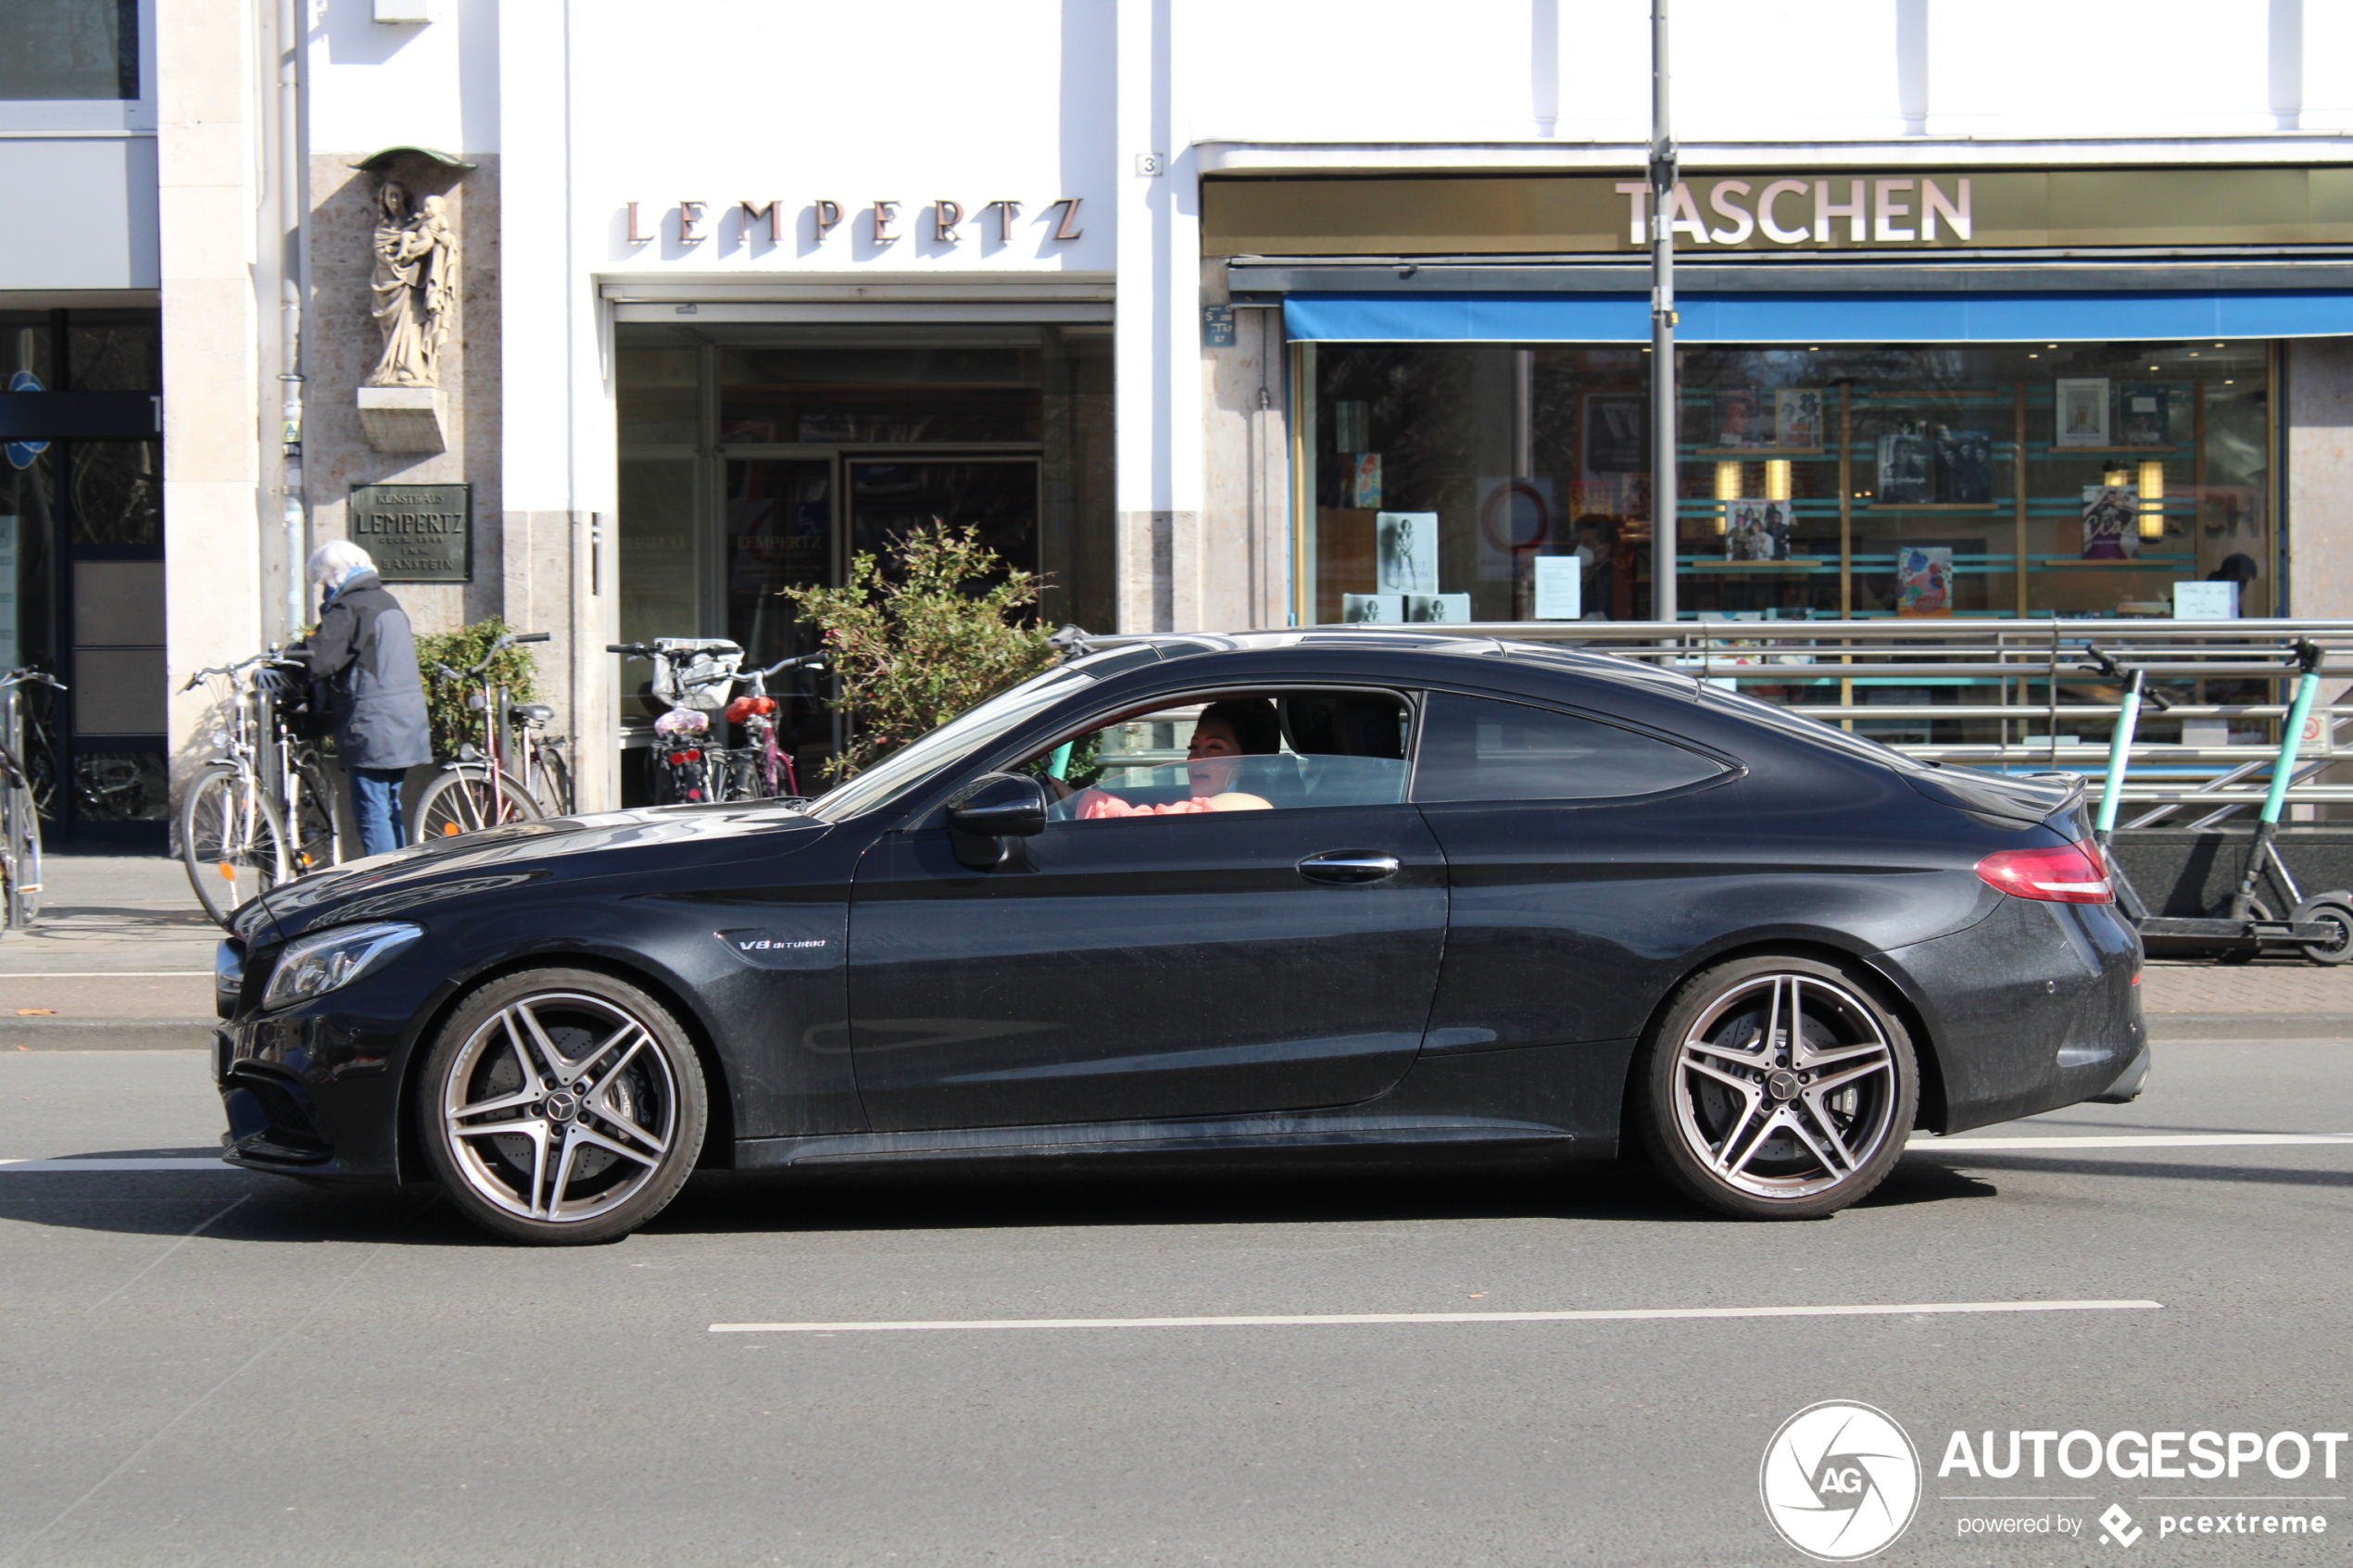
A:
(1346, 866)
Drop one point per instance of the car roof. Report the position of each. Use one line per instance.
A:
(1175, 647)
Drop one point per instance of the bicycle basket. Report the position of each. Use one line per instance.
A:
(683, 668)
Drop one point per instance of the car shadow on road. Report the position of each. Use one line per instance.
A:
(952, 1198)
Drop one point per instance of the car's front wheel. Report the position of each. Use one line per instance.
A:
(1777, 1087)
(562, 1106)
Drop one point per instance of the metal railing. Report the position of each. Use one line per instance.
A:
(2022, 695)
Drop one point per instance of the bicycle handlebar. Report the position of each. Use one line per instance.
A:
(29, 676)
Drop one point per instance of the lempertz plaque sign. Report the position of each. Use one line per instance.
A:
(417, 533)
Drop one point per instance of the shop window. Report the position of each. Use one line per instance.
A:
(1478, 483)
(70, 49)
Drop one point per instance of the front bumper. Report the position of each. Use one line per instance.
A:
(315, 1090)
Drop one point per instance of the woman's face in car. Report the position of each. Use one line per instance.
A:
(1213, 758)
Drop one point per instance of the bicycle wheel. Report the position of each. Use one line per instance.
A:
(551, 782)
(318, 836)
(233, 841)
(462, 801)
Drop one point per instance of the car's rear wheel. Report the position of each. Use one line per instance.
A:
(562, 1106)
(1777, 1087)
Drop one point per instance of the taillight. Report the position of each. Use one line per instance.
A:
(680, 759)
(2074, 874)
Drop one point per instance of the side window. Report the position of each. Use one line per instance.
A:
(1250, 751)
(1477, 749)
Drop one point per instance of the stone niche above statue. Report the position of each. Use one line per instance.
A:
(413, 294)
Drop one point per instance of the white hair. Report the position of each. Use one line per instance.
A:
(336, 559)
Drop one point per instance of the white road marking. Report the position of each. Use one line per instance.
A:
(1624, 1314)
(107, 974)
(157, 1162)
(2132, 1140)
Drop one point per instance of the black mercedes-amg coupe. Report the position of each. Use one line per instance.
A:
(1224, 895)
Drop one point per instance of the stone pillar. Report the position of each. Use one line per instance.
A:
(1245, 470)
(1157, 377)
(214, 506)
(2320, 478)
(344, 344)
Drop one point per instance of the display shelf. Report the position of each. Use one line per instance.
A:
(1933, 505)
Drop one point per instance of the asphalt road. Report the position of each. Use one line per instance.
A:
(206, 1367)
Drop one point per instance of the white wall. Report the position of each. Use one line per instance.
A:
(375, 85)
(734, 100)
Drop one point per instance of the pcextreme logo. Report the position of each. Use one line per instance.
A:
(1840, 1481)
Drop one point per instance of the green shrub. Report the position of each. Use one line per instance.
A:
(921, 641)
(452, 723)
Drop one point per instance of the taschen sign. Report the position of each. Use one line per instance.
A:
(1859, 209)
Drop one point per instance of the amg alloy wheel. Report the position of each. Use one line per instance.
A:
(562, 1106)
(1777, 1087)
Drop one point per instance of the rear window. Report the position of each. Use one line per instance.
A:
(1479, 748)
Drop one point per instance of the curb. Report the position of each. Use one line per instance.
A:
(2250, 1026)
(106, 1033)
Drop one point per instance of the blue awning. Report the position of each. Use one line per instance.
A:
(1876, 317)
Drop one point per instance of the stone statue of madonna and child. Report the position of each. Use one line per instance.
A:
(415, 287)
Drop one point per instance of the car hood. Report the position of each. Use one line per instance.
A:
(479, 862)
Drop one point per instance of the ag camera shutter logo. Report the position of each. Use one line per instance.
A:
(1840, 1481)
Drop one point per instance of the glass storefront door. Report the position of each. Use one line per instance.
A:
(758, 459)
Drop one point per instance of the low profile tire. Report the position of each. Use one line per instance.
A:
(1776, 1088)
(2338, 948)
(562, 1107)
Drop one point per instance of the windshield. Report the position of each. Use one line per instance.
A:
(967, 731)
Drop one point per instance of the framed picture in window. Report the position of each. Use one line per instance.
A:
(2082, 411)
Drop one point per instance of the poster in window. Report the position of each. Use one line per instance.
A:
(1453, 608)
(1907, 469)
(1744, 418)
(1515, 520)
(1797, 417)
(1964, 467)
(1372, 608)
(2111, 522)
(2082, 411)
(1406, 560)
(1924, 580)
(2146, 416)
(1756, 530)
(1616, 433)
(1364, 479)
(1560, 587)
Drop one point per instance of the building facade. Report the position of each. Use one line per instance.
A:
(1224, 314)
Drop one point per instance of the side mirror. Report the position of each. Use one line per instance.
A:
(992, 810)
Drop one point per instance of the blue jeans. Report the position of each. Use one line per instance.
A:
(375, 800)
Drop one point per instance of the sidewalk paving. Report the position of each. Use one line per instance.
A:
(122, 956)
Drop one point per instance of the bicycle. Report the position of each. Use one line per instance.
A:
(233, 833)
(756, 768)
(19, 807)
(477, 791)
(683, 765)
(547, 772)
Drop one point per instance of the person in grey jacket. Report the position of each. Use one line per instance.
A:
(365, 655)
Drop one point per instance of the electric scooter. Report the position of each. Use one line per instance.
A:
(2321, 927)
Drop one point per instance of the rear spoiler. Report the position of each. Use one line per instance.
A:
(2009, 800)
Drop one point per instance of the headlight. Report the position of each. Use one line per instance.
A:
(315, 965)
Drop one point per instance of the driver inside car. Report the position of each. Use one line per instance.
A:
(1224, 735)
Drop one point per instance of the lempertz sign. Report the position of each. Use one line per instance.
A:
(416, 533)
